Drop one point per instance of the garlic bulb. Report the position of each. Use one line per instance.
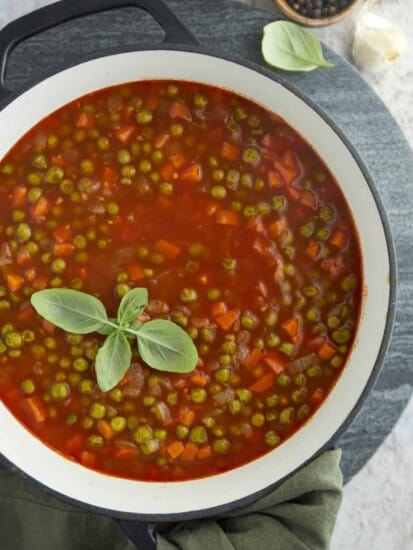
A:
(377, 42)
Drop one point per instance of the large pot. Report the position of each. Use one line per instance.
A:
(182, 58)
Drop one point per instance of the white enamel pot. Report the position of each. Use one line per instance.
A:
(183, 59)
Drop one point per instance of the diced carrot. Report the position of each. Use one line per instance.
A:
(26, 314)
(42, 207)
(200, 379)
(308, 198)
(290, 160)
(48, 327)
(135, 272)
(273, 144)
(204, 452)
(19, 195)
(128, 112)
(153, 101)
(186, 416)
(178, 160)
(29, 274)
(227, 320)
(274, 179)
(227, 217)
(317, 395)
(63, 249)
(109, 175)
(288, 167)
(313, 249)
(189, 452)
(191, 174)
(230, 151)
(255, 224)
(254, 357)
(339, 238)
(105, 429)
(167, 249)
(276, 364)
(167, 171)
(125, 133)
(75, 444)
(263, 384)
(23, 256)
(85, 120)
(276, 228)
(34, 408)
(126, 452)
(327, 351)
(57, 160)
(180, 111)
(175, 449)
(40, 283)
(291, 326)
(87, 458)
(218, 308)
(62, 233)
(161, 140)
(14, 282)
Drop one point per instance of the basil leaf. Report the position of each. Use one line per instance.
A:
(132, 305)
(165, 346)
(113, 360)
(108, 329)
(70, 310)
(288, 46)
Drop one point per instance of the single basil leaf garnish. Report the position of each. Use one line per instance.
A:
(132, 305)
(288, 46)
(165, 346)
(70, 310)
(113, 360)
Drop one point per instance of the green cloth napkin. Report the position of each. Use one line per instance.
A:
(298, 515)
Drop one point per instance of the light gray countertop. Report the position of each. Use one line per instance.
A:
(376, 511)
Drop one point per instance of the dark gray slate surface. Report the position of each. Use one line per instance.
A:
(231, 28)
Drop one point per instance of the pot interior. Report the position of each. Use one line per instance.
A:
(197, 496)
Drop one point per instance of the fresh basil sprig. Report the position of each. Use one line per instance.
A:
(163, 345)
(288, 46)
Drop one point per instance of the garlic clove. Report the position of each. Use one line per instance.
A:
(377, 42)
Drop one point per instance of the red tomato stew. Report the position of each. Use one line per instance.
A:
(239, 232)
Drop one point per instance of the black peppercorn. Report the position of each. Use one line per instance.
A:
(319, 8)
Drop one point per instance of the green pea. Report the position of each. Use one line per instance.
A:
(34, 178)
(200, 100)
(303, 412)
(263, 208)
(188, 295)
(258, 420)
(4, 304)
(144, 116)
(198, 435)
(218, 174)
(236, 206)
(28, 336)
(287, 415)
(250, 212)
(28, 387)
(103, 143)
(229, 345)
(97, 411)
(112, 208)
(279, 203)
(322, 234)
(272, 439)
(54, 175)
(87, 167)
(314, 372)
(23, 232)
(221, 446)
(272, 400)
(320, 176)
(287, 348)
(253, 121)
(182, 431)
(166, 188)
(177, 129)
(7, 169)
(259, 184)
(218, 192)
(118, 423)
(198, 395)
(246, 181)
(157, 258)
(87, 423)
(80, 364)
(300, 380)
(283, 379)
(299, 396)
(229, 264)
(71, 419)
(341, 336)
(60, 390)
(233, 177)
(58, 265)
(145, 166)
(213, 162)
(327, 213)
(148, 400)
(39, 161)
(313, 315)
(86, 386)
(213, 294)
(235, 406)
(172, 398)
(13, 340)
(150, 446)
(337, 361)
(208, 421)
(273, 340)
(307, 230)
(179, 318)
(333, 321)
(349, 283)
(249, 321)
(123, 156)
(34, 194)
(95, 441)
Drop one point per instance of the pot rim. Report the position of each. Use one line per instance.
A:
(391, 307)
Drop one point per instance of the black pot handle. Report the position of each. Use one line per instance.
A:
(66, 10)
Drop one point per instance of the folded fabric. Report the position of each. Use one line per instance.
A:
(299, 514)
